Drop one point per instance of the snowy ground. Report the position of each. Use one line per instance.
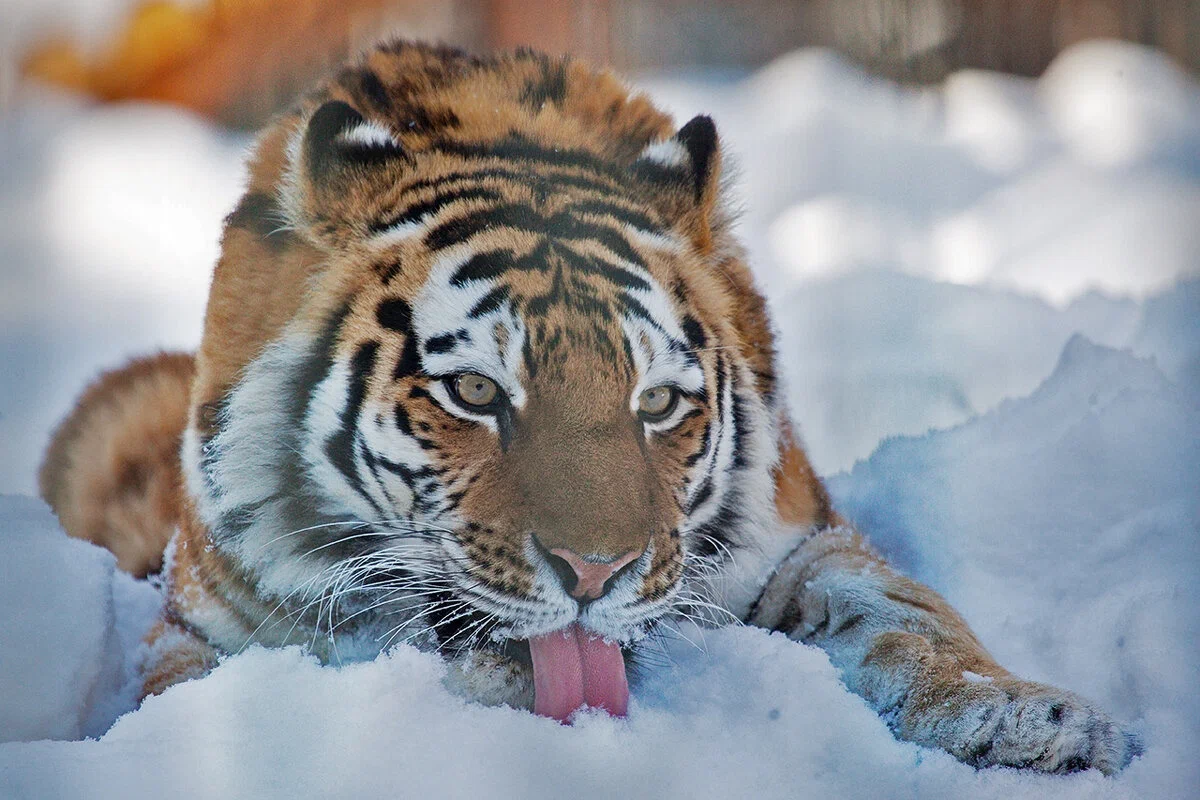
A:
(928, 254)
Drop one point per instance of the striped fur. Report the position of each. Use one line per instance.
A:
(425, 215)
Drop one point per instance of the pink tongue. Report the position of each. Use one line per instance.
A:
(572, 669)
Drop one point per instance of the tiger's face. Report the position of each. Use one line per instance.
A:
(515, 397)
(539, 394)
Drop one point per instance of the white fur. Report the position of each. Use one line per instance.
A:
(668, 153)
(369, 133)
(322, 421)
(443, 307)
(400, 232)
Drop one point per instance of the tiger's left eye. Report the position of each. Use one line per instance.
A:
(656, 403)
(475, 390)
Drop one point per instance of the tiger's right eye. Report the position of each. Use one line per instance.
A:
(475, 390)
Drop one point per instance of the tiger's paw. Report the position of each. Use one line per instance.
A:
(1015, 723)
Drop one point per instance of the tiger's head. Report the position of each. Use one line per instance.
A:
(481, 360)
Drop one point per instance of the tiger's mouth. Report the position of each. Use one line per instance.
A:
(574, 667)
(575, 648)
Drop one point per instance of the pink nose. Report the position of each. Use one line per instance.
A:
(592, 572)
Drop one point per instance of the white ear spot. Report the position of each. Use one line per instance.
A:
(668, 153)
(369, 134)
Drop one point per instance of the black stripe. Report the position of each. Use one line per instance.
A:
(235, 522)
(421, 209)
(565, 226)
(518, 148)
(705, 491)
(442, 343)
(389, 271)
(710, 440)
(694, 333)
(722, 528)
(420, 393)
(633, 308)
(739, 427)
(561, 226)
(489, 302)
(460, 229)
(596, 266)
(539, 181)
(629, 362)
(676, 346)
(538, 305)
(400, 415)
(373, 467)
(339, 446)
(369, 85)
(410, 360)
(395, 315)
(494, 263)
(316, 367)
(551, 87)
(619, 212)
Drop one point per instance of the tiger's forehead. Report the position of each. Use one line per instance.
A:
(543, 301)
(542, 278)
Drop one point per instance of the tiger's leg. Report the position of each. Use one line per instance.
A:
(176, 655)
(900, 646)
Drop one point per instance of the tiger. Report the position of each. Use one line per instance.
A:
(484, 371)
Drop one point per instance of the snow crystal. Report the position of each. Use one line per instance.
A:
(975, 677)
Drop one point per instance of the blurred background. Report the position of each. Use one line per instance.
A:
(238, 61)
(937, 194)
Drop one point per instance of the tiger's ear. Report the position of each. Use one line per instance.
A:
(340, 166)
(685, 172)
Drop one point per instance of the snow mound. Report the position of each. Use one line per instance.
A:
(873, 354)
(1066, 528)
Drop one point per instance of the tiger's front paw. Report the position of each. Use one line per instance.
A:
(1010, 722)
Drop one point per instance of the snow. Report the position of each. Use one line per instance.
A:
(110, 224)
(1009, 263)
(84, 620)
(1083, 179)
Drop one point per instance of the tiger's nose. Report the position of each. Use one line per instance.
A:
(587, 577)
